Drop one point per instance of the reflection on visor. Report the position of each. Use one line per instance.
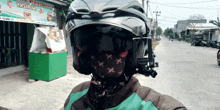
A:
(102, 42)
(92, 39)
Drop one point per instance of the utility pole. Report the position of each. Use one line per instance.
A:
(147, 8)
(143, 3)
(156, 23)
(149, 21)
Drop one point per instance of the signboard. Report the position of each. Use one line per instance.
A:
(28, 11)
(55, 41)
(48, 40)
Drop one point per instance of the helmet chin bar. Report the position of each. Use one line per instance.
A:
(145, 65)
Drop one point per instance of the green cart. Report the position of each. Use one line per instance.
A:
(47, 67)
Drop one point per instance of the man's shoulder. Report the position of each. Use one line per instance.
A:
(159, 100)
(80, 87)
(148, 94)
(77, 91)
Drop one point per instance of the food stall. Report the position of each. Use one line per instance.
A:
(21, 24)
(48, 54)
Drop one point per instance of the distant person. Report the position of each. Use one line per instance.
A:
(102, 33)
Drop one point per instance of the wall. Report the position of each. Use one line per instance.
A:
(30, 34)
(215, 37)
(182, 24)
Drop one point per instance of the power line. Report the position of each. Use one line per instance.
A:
(175, 6)
(172, 13)
(166, 20)
(170, 17)
(190, 2)
(163, 25)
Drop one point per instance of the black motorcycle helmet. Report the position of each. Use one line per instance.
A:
(107, 25)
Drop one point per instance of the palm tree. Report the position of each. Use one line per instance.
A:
(217, 23)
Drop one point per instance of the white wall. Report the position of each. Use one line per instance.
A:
(215, 37)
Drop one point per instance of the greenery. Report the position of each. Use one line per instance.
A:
(63, 10)
(183, 36)
(188, 40)
(159, 31)
(168, 32)
(217, 23)
(176, 35)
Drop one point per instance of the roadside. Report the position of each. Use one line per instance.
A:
(17, 93)
(155, 43)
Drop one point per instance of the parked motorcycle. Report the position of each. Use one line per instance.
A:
(204, 43)
(217, 44)
(171, 38)
(218, 57)
(214, 44)
(196, 40)
(209, 43)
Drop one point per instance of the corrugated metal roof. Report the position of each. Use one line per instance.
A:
(201, 26)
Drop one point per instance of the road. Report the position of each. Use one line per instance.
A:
(188, 73)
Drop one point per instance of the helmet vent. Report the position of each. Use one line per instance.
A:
(109, 9)
(83, 10)
(137, 8)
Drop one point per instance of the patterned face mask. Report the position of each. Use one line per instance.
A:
(108, 65)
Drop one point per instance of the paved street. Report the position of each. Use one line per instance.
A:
(188, 73)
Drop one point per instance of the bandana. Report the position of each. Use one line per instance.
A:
(108, 77)
(99, 90)
(108, 65)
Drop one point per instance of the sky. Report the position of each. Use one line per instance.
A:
(174, 10)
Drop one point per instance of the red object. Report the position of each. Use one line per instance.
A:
(124, 54)
(79, 53)
(49, 50)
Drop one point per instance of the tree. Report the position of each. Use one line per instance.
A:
(196, 17)
(159, 31)
(168, 32)
(217, 23)
(176, 35)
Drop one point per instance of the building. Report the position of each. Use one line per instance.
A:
(18, 19)
(182, 25)
(208, 30)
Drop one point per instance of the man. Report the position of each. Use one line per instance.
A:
(108, 41)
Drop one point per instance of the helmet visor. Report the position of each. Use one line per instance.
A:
(96, 38)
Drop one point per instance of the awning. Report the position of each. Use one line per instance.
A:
(28, 11)
(59, 2)
(202, 26)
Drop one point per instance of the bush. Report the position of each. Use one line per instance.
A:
(188, 40)
(179, 39)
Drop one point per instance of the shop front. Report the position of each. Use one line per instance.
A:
(18, 21)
